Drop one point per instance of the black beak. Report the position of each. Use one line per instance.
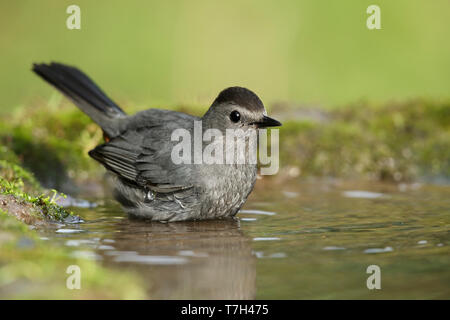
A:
(267, 122)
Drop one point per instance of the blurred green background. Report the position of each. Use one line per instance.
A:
(150, 53)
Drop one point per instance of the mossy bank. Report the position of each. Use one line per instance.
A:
(397, 142)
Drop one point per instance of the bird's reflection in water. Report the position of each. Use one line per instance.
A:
(187, 260)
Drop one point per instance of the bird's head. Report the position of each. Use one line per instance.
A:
(238, 108)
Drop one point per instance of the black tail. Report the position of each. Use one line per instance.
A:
(83, 92)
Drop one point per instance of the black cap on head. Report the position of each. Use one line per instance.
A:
(242, 97)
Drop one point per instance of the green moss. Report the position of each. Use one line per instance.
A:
(397, 141)
(52, 143)
(31, 202)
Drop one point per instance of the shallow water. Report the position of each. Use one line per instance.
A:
(291, 241)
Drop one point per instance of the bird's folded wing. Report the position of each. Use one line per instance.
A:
(116, 159)
(145, 161)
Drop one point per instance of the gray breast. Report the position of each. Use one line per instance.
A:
(227, 189)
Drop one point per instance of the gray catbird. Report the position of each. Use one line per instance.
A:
(138, 150)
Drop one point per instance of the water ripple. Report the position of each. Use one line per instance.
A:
(261, 212)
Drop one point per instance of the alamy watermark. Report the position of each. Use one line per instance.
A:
(374, 280)
(374, 20)
(74, 280)
(74, 20)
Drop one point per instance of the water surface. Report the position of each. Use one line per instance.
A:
(293, 240)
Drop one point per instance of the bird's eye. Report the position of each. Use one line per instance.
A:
(235, 116)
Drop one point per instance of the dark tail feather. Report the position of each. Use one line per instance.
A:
(83, 92)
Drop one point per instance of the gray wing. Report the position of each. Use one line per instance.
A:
(141, 154)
